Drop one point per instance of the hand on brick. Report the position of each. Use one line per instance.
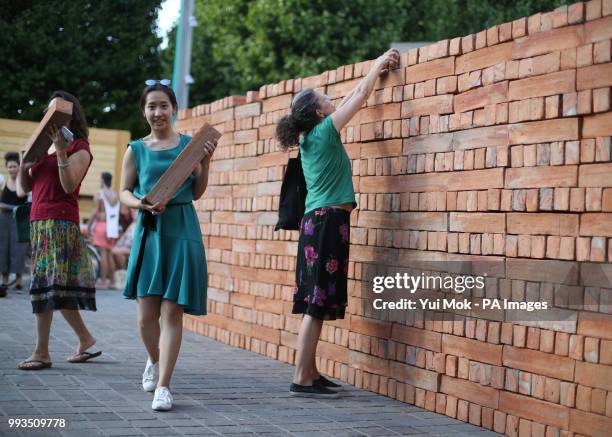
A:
(57, 138)
(387, 61)
(209, 148)
(156, 209)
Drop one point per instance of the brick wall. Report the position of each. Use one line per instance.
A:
(491, 147)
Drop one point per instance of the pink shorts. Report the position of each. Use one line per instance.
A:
(99, 236)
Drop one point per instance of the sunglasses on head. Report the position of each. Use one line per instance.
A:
(163, 82)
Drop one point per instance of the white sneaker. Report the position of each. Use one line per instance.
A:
(150, 376)
(162, 401)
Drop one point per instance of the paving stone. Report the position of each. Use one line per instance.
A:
(218, 389)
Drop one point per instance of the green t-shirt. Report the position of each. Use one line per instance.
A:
(327, 167)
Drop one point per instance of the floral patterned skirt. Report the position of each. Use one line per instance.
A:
(322, 264)
(62, 272)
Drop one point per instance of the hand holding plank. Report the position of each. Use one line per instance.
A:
(201, 146)
(58, 113)
(57, 138)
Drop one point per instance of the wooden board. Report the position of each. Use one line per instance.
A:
(184, 164)
(60, 114)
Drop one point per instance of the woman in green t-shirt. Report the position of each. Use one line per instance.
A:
(323, 247)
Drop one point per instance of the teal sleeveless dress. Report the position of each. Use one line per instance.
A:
(167, 257)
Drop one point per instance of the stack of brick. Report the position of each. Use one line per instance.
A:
(494, 146)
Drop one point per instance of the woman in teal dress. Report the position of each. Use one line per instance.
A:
(166, 270)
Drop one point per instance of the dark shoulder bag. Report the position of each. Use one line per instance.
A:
(21, 214)
(292, 197)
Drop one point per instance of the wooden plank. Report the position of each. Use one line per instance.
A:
(183, 166)
(58, 113)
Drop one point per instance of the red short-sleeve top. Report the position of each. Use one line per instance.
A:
(49, 200)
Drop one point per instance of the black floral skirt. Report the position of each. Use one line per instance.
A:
(322, 264)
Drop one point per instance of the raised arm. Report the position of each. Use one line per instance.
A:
(359, 95)
(24, 178)
(71, 169)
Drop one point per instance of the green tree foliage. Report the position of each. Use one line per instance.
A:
(239, 45)
(101, 51)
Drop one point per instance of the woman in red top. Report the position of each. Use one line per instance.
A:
(62, 272)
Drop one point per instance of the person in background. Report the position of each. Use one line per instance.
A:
(62, 273)
(126, 217)
(123, 246)
(105, 224)
(323, 248)
(12, 252)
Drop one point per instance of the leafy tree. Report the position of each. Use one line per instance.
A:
(101, 51)
(239, 45)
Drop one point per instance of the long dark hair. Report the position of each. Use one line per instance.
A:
(78, 123)
(302, 118)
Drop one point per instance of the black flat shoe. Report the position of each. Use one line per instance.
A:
(3, 290)
(324, 382)
(312, 391)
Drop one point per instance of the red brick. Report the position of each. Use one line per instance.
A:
(583, 398)
(552, 247)
(484, 58)
(455, 46)
(567, 394)
(584, 55)
(277, 103)
(591, 350)
(595, 175)
(595, 76)
(429, 105)
(430, 70)
(593, 9)
(561, 202)
(481, 222)
(480, 97)
(546, 42)
(519, 28)
(570, 104)
(417, 337)
(606, 200)
(559, 17)
(473, 392)
(551, 107)
(552, 390)
(568, 59)
(596, 224)
(593, 375)
(474, 349)
(533, 409)
(541, 177)
(601, 52)
(544, 131)
(543, 85)
(575, 13)
(585, 102)
(590, 424)
(603, 148)
(601, 100)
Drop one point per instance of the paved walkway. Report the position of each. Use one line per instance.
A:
(218, 389)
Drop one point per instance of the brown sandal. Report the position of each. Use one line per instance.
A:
(33, 365)
(83, 356)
